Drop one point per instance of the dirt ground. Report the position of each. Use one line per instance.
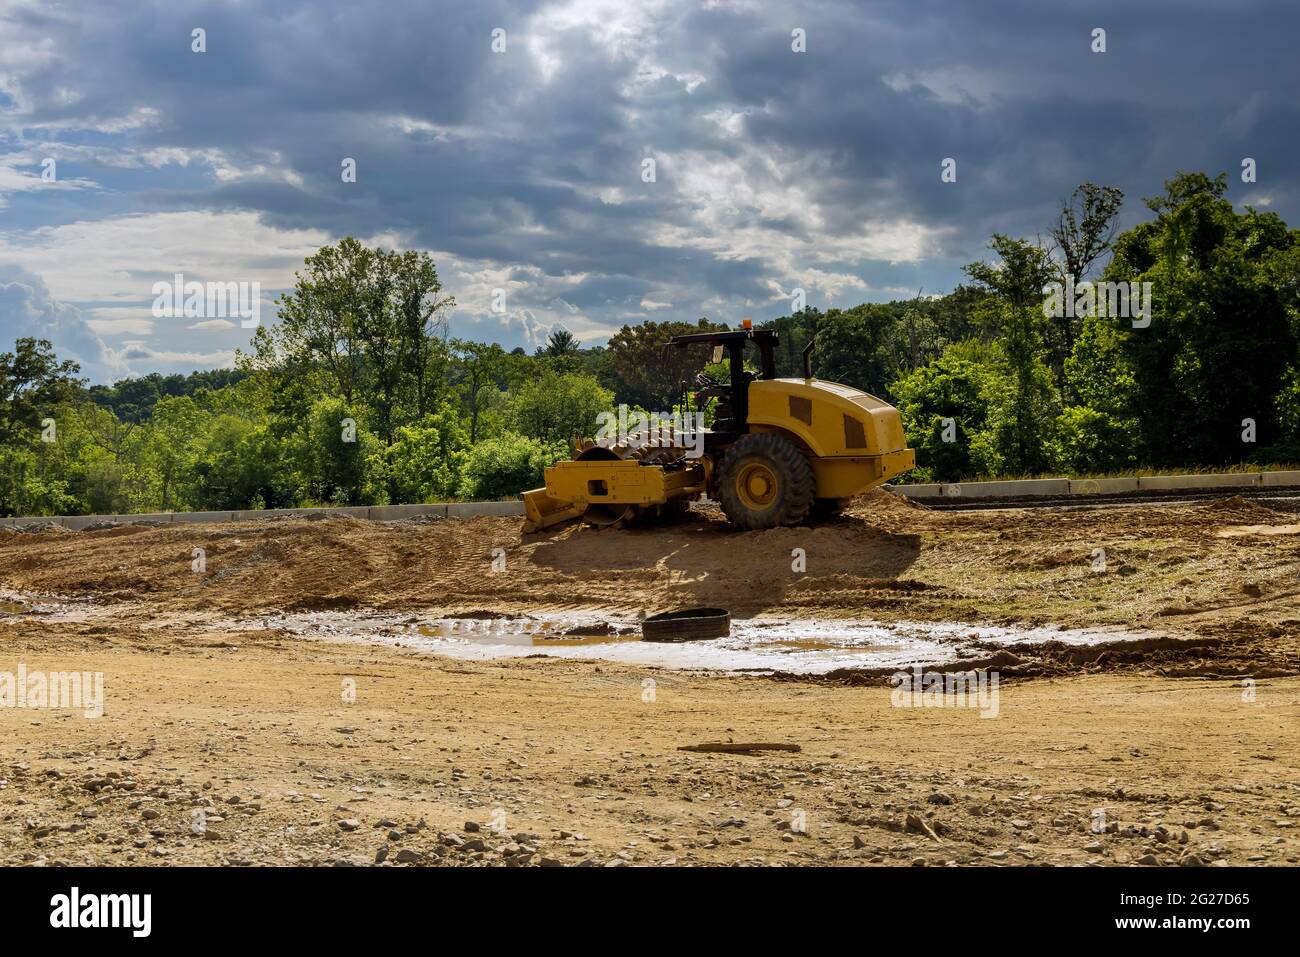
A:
(259, 747)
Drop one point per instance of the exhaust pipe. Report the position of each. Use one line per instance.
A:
(807, 357)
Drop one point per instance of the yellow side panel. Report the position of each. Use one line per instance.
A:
(831, 419)
(845, 477)
(855, 439)
(619, 483)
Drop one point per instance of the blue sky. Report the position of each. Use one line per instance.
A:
(522, 170)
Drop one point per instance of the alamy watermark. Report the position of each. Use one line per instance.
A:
(213, 300)
(639, 430)
(1125, 300)
(952, 689)
(75, 909)
(55, 690)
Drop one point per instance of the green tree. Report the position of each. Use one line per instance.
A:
(235, 466)
(645, 370)
(561, 342)
(1098, 432)
(32, 382)
(505, 466)
(1222, 330)
(946, 405)
(425, 462)
(556, 407)
(335, 454)
(1082, 234)
(415, 296)
(872, 345)
(1022, 422)
(174, 425)
(793, 332)
(365, 322)
(479, 371)
(29, 486)
(1089, 440)
(850, 347)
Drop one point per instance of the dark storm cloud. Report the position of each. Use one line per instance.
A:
(774, 167)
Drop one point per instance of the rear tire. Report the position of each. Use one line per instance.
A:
(764, 480)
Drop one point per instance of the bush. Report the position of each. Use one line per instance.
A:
(337, 452)
(25, 489)
(555, 407)
(425, 461)
(1287, 404)
(507, 465)
(1087, 440)
(962, 384)
(234, 467)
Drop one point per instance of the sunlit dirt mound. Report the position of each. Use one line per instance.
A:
(1237, 509)
(881, 502)
(347, 563)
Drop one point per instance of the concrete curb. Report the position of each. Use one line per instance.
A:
(1105, 486)
(374, 513)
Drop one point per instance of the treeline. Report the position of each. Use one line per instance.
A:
(990, 384)
(357, 395)
(132, 400)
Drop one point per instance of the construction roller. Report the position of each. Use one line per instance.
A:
(780, 451)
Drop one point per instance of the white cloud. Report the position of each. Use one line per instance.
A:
(15, 180)
(761, 206)
(118, 327)
(28, 310)
(96, 279)
(141, 352)
(117, 260)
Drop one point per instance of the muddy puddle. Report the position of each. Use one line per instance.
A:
(792, 646)
(15, 605)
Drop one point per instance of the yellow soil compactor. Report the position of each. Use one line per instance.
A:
(780, 452)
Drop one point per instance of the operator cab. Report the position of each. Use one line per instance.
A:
(732, 414)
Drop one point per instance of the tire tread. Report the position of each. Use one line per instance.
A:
(798, 483)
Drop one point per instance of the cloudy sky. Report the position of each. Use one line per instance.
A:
(524, 169)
